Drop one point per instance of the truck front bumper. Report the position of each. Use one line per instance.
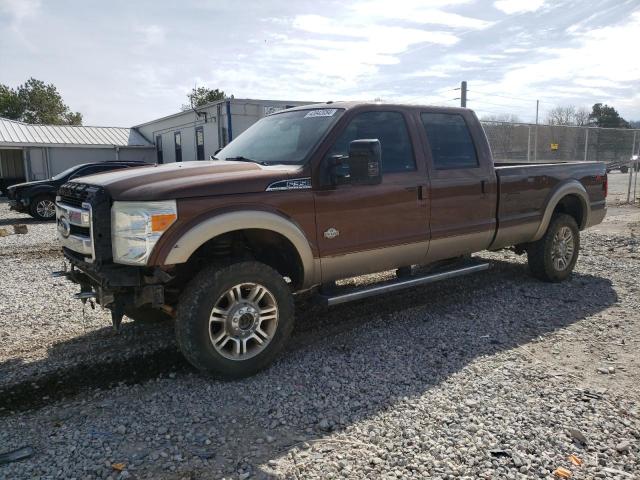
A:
(114, 286)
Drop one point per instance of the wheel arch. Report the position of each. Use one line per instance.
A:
(570, 198)
(257, 227)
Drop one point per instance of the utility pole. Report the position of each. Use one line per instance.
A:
(535, 138)
(463, 94)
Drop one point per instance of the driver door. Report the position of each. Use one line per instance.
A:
(369, 228)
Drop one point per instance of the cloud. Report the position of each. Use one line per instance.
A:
(419, 11)
(342, 52)
(20, 9)
(567, 51)
(511, 7)
(382, 37)
(151, 35)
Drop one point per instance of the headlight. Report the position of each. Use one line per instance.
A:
(137, 226)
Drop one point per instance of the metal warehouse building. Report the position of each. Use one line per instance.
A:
(196, 134)
(34, 152)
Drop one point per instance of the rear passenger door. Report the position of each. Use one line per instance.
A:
(369, 228)
(463, 185)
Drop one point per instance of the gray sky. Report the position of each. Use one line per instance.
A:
(125, 62)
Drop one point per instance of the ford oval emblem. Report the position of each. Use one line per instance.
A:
(64, 227)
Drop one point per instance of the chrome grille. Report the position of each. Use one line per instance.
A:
(74, 226)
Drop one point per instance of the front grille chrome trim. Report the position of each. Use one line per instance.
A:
(81, 217)
(77, 243)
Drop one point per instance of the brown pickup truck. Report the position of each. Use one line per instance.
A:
(306, 197)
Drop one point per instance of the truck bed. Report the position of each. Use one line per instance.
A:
(525, 190)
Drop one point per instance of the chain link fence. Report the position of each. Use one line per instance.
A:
(521, 142)
(619, 148)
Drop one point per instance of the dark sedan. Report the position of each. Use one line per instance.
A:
(38, 198)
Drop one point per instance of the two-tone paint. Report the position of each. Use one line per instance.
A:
(413, 217)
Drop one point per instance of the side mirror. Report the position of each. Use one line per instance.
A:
(365, 162)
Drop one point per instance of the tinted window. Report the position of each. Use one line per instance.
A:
(66, 172)
(388, 127)
(93, 169)
(450, 141)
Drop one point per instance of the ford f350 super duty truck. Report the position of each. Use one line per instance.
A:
(303, 198)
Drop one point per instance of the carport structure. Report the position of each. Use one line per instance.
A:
(34, 152)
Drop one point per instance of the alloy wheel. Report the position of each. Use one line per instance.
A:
(243, 321)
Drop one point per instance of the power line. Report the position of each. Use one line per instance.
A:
(529, 99)
(490, 103)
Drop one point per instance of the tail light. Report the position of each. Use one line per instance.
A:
(605, 183)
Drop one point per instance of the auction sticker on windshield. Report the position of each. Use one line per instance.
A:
(325, 112)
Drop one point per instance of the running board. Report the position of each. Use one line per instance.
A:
(400, 284)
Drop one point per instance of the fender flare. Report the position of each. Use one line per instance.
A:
(572, 187)
(204, 231)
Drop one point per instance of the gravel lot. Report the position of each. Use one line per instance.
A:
(494, 375)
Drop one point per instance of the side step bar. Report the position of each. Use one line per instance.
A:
(400, 284)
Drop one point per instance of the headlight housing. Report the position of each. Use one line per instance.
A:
(137, 226)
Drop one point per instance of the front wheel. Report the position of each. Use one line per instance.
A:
(234, 320)
(43, 208)
(553, 257)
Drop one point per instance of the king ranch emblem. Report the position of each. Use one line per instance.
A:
(331, 233)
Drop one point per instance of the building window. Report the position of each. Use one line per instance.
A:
(178, 140)
(200, 143)
(159, 148)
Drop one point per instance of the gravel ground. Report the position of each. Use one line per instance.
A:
(494, 375)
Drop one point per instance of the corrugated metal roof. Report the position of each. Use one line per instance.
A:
(14, 133)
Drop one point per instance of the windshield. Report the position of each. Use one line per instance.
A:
(287, 137)
(66, 172)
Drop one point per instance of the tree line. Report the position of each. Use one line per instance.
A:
(600, 115)
(36, 102)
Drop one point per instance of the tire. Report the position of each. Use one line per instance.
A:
(146, 314)
(224, 294)
(548, 260)
(624, 169)
(43, 208)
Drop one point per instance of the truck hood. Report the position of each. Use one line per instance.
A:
(189, 179)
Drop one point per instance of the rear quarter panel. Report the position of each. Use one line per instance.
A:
(525, 191)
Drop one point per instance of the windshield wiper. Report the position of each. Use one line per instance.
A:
(245, 159)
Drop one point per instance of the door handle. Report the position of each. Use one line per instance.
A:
(483, 186)
(419, 189)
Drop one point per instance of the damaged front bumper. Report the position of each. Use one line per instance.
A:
(115, 286)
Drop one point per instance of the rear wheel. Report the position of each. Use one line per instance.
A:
(43, 207)
(553, 257)
(234, 320)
